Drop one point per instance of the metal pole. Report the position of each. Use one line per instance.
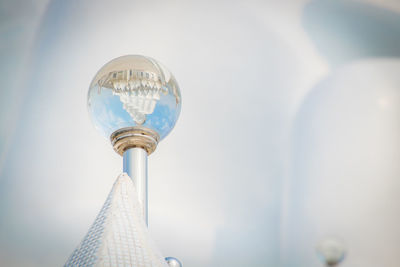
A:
(135, 165)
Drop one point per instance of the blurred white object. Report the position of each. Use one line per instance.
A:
(118, 236)
(345, 169)
(331, 251)
(173, 262)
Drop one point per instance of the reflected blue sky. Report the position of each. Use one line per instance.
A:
(108, 114)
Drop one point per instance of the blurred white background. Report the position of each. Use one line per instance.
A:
(289, 129)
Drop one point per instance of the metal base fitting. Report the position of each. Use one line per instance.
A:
(131, 137)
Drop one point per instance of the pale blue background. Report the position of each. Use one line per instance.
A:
(289, 128)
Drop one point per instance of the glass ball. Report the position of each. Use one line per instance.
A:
(331, 251)
(131, 91)
(173, 262)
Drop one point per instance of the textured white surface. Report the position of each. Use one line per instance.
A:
(118, 236)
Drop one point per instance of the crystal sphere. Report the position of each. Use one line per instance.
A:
(173, 262)
(134, 90)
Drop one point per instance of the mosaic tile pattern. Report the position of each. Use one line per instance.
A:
(118, 236)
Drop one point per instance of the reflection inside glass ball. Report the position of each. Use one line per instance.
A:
(139, 91)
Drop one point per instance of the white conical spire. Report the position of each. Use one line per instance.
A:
(118, 236)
